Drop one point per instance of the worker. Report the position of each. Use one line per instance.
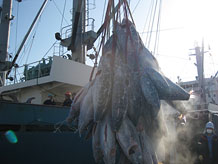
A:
(50, 100)
(68, 101)
(208, 146)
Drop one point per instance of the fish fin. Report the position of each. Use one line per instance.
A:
(175, 92)
(158, 80)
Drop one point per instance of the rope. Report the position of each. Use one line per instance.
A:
(50, 48)
(28, 41)
(60, 12)
(21, 57)
(129, 35)
(103, 36)
(166, 29)
(156, 43)
(151, 12)
(146, 20)
(152, 24)
(63, 15)
(28, 45)
(30, 48)
(130, 13)
(212, 60)
(102, 21)
(58, 126)
(106, 30)
(33, 37)
(136, 6)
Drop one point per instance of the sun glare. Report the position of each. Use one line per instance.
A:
(197, 22)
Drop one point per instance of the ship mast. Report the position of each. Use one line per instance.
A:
(5, 20)
(78, 28)
(26, 36)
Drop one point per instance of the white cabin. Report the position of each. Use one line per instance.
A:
(55, 76)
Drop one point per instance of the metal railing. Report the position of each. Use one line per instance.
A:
(31, 71)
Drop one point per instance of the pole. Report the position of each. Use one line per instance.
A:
(200, 68)
(4, 35)
(27, 35)
(100, 30)
(84, 17)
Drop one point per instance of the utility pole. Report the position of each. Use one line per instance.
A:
(4, 38)
(199, 54)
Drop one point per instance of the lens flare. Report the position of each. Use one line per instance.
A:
(11, 136)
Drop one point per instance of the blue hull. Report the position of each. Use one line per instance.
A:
(37, 142)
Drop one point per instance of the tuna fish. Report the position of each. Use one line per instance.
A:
(86, 111)
(129, 141)
(96, 145)
(103, 86)
(121, 107)
(119, 91)
(75, 107)
(107, 141)
(150, 93)
(149, 155)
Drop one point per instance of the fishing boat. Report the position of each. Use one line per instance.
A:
(42, 133)
(41, 130)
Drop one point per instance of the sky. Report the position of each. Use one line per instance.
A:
(183, 25)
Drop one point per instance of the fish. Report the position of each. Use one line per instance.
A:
(96, 145)
(74, 112)
(102, 86)
(150, 93)
(149, 155)
(136, 56)
(158, 80)
(177, 105)
(176, 92)
(129, 141)
(119, 91)
(121, 108)
(134, 92)
(90, 128)
(122, 159)
(107, 141)
(75, 107)
(135, 99)
(86, 111)
(147, 61)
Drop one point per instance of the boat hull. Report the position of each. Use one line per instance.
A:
(38, 140)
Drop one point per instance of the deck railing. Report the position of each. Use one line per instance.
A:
(31, 71)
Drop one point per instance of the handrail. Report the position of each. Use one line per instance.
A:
(32, 70)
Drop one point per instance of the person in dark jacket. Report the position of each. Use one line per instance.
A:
(50, 100)
(68, 101)
(208, 146)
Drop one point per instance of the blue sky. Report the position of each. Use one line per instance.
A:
(187, 21)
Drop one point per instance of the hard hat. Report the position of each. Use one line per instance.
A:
(209, 125)
(68, 93)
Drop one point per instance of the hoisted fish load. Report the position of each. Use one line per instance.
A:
(120, 106)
